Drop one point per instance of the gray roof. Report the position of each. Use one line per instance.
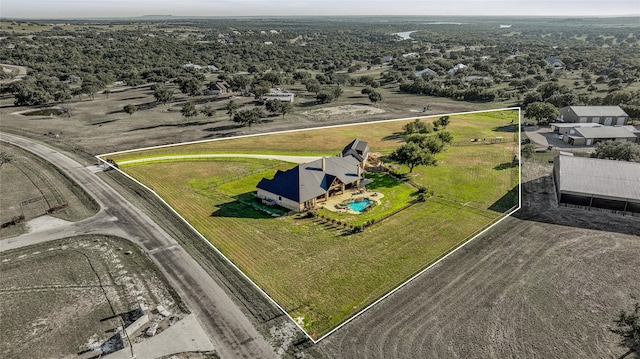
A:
(575, 124)
(427, 71)
(357, 148)
(605, 132)
(308, 180)
(601, 111)
(598, 177)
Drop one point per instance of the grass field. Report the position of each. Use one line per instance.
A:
(319, 274)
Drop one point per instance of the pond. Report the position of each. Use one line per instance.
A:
(358, 205)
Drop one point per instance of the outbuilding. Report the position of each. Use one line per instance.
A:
(597, 183)
(604, 115)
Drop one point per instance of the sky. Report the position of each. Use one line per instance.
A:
(68, 9)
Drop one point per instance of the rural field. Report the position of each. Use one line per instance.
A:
(32, 187)
(65, 298)
(545, 283)
(317, 270)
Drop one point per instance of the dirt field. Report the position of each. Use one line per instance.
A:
(545, 284)
(101, 126)
(63, 299)
(32, 187)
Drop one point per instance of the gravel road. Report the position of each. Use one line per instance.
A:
(231, 332)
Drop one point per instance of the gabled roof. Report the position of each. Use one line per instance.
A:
(307, 181)
(356, 148)
(617, 179)
(605, 132)
(602, 111)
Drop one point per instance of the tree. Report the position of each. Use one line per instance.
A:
(248, 117)
(312, 85)
(617, 150)
(188, 110)
(375, 97)
(130, 109)
(628, 328)
(528, 150)
(232, 108)
(445, 136)
(161, 93)
(107, 92)
(431, 143)
(261, 88)
(443, 121)
(208, 111)
(190, 86)
(417, 126)
(541, 112)
(412, 155)
(277, 106)
(324, 97)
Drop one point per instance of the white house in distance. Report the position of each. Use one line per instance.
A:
(604, 115)
(279, 95)
(457, 68)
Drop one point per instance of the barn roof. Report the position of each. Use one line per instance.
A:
(599, 177)
(602, 111)
(605, 132)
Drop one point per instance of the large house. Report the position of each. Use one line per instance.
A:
(306, 185)
(592, 182)
(604, 115)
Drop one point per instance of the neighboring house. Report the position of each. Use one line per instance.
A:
(191, 66)
(280, 96)
(554, 62)
(213, 68)
(218, 87)
(411, 55)
(589, 136)
(428, 72)
(387, 58)
(306, 185)
(457, 68)
(565, 128)
(592, 182)
(605, 115)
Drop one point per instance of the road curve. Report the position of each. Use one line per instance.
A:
(231, 332)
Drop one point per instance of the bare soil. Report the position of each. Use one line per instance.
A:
(64, 299)
(32, 187)
(547, 283)
(101, 125)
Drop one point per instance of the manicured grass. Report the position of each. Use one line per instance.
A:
(382, 137)
(317, 272)
(397, 195)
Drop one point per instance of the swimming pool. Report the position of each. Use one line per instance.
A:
(359, 205)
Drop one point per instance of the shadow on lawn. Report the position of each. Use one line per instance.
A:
(505, 166)
(245, 207)
(505, 128)
(506, 202)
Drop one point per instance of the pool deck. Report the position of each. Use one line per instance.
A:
(331, 203)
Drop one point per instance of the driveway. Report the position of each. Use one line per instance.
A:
(231, 332)
(543, 137)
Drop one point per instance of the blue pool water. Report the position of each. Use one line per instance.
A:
(358, 206)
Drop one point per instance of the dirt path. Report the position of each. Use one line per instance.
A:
(293, 159)
(231, 332)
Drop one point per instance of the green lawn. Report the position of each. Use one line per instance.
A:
(317, 272)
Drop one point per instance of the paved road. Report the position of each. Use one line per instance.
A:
(293, 159)
(230, 330)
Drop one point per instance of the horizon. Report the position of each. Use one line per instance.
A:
(127, 9)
